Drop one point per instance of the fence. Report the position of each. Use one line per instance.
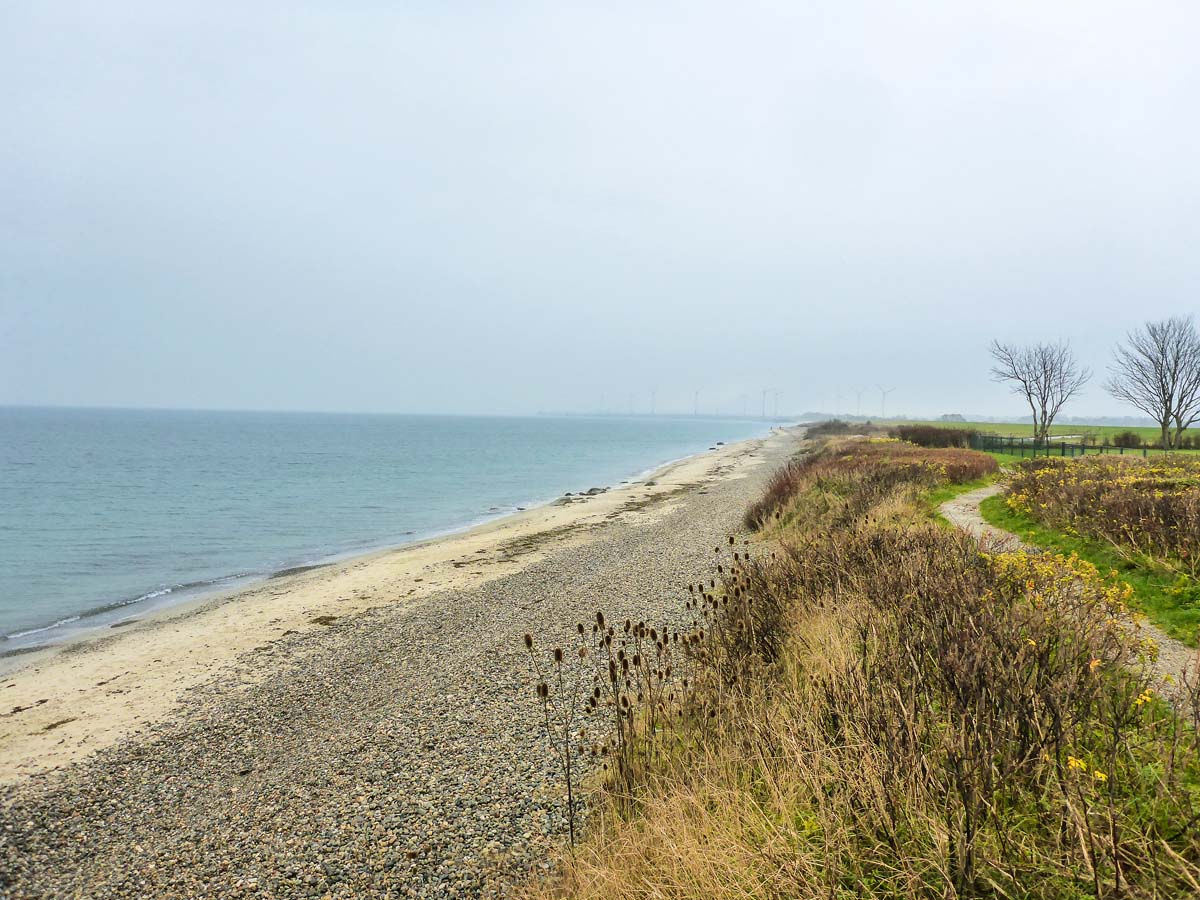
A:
(1027, 446)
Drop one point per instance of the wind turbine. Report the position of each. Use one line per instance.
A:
(883, 400)
(858, 403)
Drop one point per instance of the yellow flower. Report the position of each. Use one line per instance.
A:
(1093, 665)
(1100, 776)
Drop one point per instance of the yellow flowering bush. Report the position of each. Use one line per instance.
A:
(1146, 508)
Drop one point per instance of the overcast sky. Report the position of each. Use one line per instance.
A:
(512, 207)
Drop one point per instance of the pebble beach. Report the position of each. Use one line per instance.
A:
(390, 750)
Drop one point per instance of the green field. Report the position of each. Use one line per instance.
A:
(1075, 434)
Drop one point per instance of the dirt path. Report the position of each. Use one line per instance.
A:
(1174, 657)
(963, 511)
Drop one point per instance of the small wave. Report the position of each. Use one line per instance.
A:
(120, 604)
(51, 626)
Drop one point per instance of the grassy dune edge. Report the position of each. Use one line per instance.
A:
(866, 704)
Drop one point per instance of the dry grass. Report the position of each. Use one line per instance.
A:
(875, 708)
(857, 474)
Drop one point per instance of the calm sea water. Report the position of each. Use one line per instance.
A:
(105, 514)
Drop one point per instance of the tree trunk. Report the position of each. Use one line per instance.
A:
(1177, 439)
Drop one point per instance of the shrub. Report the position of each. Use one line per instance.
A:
(1127, 439)
(1147, 509)
(934, 436)
(834, 428)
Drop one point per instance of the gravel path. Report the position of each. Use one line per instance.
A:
(394, 754)
(1174, 657)
(963, 511)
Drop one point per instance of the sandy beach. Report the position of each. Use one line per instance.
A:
(394, 676)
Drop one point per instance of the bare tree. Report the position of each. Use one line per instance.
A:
(1046, 375)
(1157, 370)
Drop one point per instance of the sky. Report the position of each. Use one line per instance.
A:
(480, 207)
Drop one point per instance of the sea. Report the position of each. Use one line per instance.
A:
(107, 514)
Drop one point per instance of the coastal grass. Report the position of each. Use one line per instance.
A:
(872, 706)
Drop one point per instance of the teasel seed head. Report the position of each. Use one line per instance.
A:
(558, 654)
(528, 641)
(600, 619)
(542, 690)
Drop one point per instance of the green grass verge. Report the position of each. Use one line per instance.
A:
(1007, 459)
(1155, 594)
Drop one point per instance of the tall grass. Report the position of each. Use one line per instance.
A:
(858, 474)
(877, 707)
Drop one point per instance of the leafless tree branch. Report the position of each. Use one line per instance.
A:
(1157, 370)
(1046, 375)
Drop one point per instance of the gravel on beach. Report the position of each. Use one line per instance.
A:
(395, 753)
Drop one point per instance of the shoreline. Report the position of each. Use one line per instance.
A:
(94, 623)
(65, 701)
